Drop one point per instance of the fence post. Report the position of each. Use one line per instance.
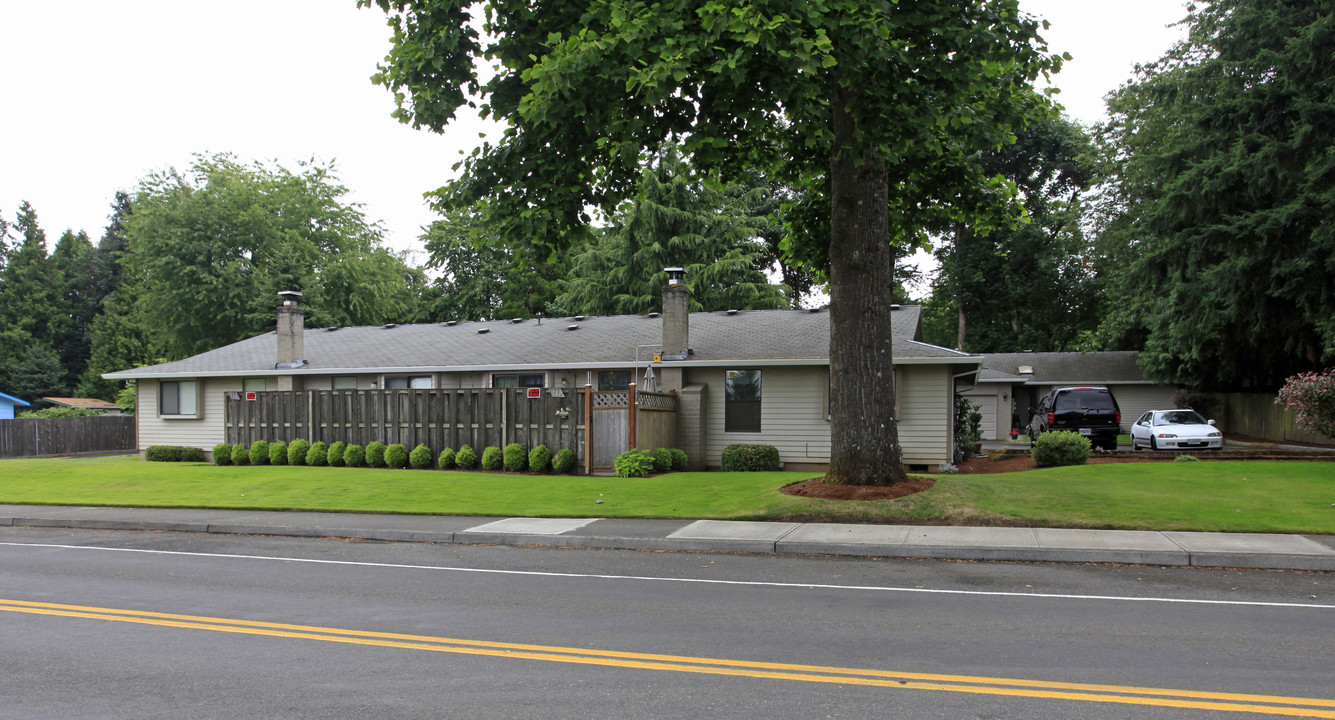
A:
(588, 429)
(630, 432)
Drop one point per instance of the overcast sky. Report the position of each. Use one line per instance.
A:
(98, 94)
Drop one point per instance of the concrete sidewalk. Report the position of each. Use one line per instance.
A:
(1239, 550)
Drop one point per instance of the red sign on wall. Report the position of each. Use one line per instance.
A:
(535, 392)
(250, 396)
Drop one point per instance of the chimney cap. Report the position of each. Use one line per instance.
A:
(675, 275)
(290, 297)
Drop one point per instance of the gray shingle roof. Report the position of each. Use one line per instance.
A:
(1063, 367)
(773, 336)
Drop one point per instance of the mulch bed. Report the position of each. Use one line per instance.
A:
(815, 488)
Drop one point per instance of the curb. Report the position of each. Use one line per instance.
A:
(1181, 557)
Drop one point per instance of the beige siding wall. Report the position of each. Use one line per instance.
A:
(925, 402)
(792, 413)
(203, 431)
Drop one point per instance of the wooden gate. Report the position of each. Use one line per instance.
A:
(610, 427)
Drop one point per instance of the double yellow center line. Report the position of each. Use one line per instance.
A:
(1158, 697)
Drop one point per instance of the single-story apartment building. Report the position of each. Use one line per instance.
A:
(780, 356)
(1010, 385)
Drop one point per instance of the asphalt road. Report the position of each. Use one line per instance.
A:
(116, 624)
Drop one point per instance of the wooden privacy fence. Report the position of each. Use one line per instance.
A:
(35, 437)
(438, 418)
(1257, 415)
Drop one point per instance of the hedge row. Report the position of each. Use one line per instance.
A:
(514, 458)
(633, 463)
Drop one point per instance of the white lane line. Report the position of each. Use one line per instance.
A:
(700, 581)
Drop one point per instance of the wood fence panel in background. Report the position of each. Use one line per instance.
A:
(40, 437)
(438, 418)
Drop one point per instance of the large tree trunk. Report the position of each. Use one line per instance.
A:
(864, 439)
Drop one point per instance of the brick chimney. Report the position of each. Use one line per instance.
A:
(291, 324)
(676, 315)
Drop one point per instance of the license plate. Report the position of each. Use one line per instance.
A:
(1085, 431)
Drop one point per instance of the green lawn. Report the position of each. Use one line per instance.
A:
(1219, 496)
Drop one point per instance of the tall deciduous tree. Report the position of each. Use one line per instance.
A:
(1029, 286)
(674, 220)
(210, 248)
(1224, 193)
(888, 100)
(481, 279)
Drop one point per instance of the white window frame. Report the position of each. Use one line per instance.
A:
(415, 382)
(191, 410)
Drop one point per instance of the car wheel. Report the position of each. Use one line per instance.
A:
(1154, 444)
(1134, 445)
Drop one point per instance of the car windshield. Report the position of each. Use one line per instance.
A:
(1179, 417)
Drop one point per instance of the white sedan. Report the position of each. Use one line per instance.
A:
(1175, 430)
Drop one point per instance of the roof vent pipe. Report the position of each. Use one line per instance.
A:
(676, 315)
(291, 325)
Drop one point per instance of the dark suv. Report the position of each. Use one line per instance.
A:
(1090, 411)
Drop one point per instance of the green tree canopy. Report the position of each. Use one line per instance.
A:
(674, 220)
(1223, 156)
(888, 101)
(1032, 285)
(481, 278)
(209, 249)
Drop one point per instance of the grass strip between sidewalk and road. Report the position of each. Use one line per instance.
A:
(1269, 497)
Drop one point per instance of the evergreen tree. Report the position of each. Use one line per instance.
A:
(74, 261)
(674, 220)
(38, 373)
(1224, 186)
(30, 297)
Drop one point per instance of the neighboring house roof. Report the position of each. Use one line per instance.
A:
(756, 337)
(1061, 368)
(86, 403)
(14, 400)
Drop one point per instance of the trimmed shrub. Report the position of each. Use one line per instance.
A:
(375, 454)
(1059, 448)
(396, 456)
(335, 454)
(540, 459)
(633, 463)
(318, 455)
(278, 453)
(420, 457)
(446, 459)
(662, 460)
(516, 458)
(563, 461)
(259, 452)
(946, 468)
(466, 458)
(750, 458)
(679, 459)
(492, 458)
(297, 450)
(1186, 458)
(173, 453)
(240, 455)
(354, 456)
(222, 454)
